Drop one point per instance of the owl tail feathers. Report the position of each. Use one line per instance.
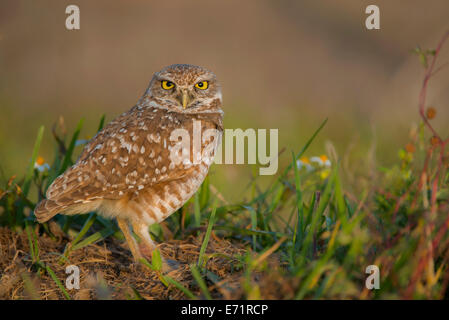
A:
(46, 209)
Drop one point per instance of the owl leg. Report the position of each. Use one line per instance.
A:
(141, 229)
(124, 226)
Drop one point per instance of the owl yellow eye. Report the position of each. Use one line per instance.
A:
(203, 85)
(167, 85)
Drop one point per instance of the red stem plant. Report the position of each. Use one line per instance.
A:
(428, 179)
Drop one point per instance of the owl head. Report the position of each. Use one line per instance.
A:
(185, 88)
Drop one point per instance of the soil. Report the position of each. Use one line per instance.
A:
(107, 270)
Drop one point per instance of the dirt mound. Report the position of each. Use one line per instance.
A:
(108, 272)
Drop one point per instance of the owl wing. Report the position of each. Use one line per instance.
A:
(130, 154)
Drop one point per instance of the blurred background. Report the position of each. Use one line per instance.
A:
(283, 64)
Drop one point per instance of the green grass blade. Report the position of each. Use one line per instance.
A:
(156, 266)
(289, 167)
(207, 235)
(339, 199)
(320, 266)
(318, 214)
(310, 211)
(253, 214)
(97, 236)
(36, 247)
(146, 263)
(197, 209)
(200, 281)
(248, 232)
(297, 234)
(87, 224)
(204, 195)
(308, 143)
(30, 171)
(100, 126)
(68, 156)
(275, 202)
(180, 287)
(156, 260)
(32, 243)
(59, 284)
(137, 295)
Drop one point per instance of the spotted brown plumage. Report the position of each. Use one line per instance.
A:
(139, 169)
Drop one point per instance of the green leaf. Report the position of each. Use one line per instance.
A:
(299, 205)
(56, 280)
(180, 287)
(204, 194)
(253, 214)
(146, 263)
(281, 177)
(197, 210)
(33, 244)
(156, 260)
(339, 199)
(87, 224)
(100, 126)
(97, 236)
(318, 214)
(249, 232)
(200, 281)
(207, 235)
(29, 174)
(137, 295)
(423, 59)
(68, 156)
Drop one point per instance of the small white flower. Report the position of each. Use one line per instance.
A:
(40, 164)
(304, 163)
(322, 161)
(316, 160)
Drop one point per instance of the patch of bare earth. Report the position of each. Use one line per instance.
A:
(108, 272)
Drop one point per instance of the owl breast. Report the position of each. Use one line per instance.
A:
(176, 181)
(160, 202)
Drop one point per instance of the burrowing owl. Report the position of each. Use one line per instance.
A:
(148, 162)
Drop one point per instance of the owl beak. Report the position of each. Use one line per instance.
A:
(185, 99)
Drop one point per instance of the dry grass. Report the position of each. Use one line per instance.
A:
(108, 272)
